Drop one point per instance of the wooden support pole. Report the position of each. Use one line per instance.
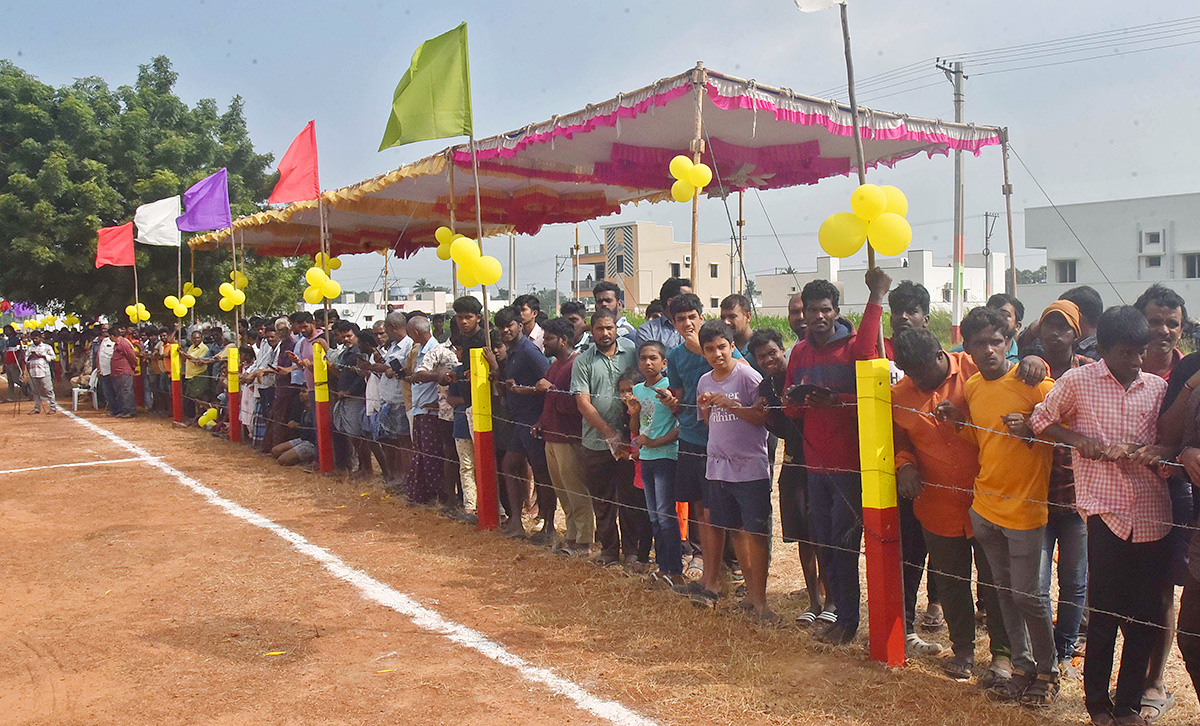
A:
(698, 77)
(1011, 288)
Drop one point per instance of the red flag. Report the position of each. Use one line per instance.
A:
(114, 246)
(298, 177)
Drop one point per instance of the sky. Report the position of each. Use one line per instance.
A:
(1106, 128)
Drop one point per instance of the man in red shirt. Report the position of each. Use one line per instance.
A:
(820, 390)
(124, 364)
(562, 429)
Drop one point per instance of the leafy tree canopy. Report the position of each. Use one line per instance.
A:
(84, 156)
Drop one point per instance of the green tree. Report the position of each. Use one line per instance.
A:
(1031, 277)
(84, 156)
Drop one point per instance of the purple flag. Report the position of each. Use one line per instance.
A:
(207, 205)
(23, 310)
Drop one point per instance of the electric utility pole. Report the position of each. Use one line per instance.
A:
(989, 223)
(954, 73)
(560, 263)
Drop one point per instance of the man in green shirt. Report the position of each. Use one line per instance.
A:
(605, 454)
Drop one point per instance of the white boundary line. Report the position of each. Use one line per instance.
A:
(372, 589)
(65, 466)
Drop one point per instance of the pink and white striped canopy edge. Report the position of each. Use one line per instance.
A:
(590, 163)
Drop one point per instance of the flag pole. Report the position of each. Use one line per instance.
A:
(453, 227)
(192, 275)
(487, 329)
(324, 256)
(233, 250)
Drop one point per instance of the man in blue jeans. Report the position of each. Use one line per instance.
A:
(818, 390)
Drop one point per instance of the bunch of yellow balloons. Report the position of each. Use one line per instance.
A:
(31, 324)
(207, 418)
(71, 319)
(320, 286)
(689, 178)
(474, 267)
(326, 262)
(179, 305)
(231, 296)
(878, 215)
(137, 313)
(190, 289)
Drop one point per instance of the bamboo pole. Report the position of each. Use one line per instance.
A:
(860, 157)
(453, 227)
(697, 150)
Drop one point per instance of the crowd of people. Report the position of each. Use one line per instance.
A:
(1062, 451)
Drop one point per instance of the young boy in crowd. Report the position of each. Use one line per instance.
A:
(458, 395)
(655, 431)
(930, 451)
(739, 493)
(1008, 516)
(824, 360)
(766, 348)
(562, 428)
(1111, 408)
(1058, 332)
(523, 368)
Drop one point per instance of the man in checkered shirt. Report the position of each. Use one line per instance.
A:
(1111, 408)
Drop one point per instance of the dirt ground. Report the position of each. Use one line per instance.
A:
(125, 598)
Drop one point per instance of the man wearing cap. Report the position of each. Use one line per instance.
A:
(1059, 329)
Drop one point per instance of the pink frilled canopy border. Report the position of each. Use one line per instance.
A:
(589, 163)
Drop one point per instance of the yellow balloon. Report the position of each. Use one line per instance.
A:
(487, 270)
(700, 175)
(466, 276)
(238, 297)
(312, 295)
(187, 287)
(331, 289)
(680, 165)
(226, 304)
(890, 234)
(443, 235)
(682, 191)
(842, 234)
(868, 201)
(180, 310)
(196, 292)
(187, 301)
(232, 276)
(897, 203)
(443, 252)
(140, 306)
(334, 264)
(225, 289)
(241, 282)
(143, 315)
(170, 301)
(315, 276)
(464, 251)
(130, 310)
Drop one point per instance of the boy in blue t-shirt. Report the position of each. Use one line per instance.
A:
(655, 431)
(739, 476)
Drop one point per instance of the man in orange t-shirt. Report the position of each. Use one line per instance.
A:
(937, 468)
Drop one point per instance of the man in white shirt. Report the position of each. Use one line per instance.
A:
(37, 362)
(393, 428)
(104, 355)
(426, 478)
(528, 307)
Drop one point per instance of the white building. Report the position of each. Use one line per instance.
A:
(1136, 242)
(982, 277)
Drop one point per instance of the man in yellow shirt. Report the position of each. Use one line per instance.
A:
(1008, 515)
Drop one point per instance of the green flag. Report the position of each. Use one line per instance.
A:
(433, 99)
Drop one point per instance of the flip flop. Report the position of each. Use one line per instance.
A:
(1160, 706)
(827, 616)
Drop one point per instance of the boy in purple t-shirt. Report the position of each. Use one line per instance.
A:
(739, 493)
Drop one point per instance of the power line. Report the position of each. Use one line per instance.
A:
(1132, 30)
(1064, 221)
(1094, 57)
